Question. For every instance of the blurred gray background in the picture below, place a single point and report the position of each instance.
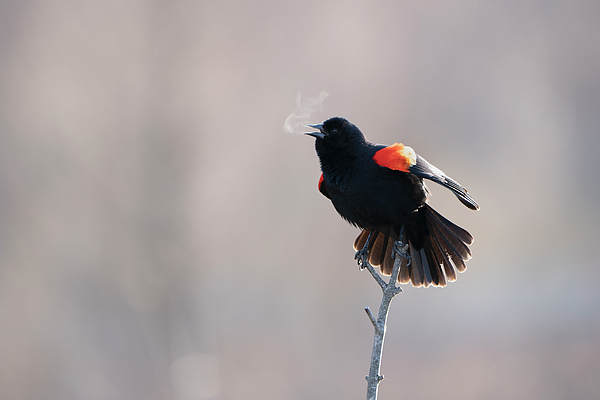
(162, 237)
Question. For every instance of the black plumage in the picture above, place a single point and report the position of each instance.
(380, 189)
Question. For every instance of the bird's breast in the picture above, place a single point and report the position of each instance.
(374, 197)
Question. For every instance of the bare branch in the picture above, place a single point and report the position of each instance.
(390, 290)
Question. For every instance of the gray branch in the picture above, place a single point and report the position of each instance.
(390, 290)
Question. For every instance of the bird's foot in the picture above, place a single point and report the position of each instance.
(362, 254)
(401, 249)
(361, 258)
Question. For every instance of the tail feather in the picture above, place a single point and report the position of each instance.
(427, 268)
(457, 246)
(388, 262)
(456, 260)
(443, 259)
(404, 276)
(435, 264)
(361, 239)
(459, 264)
(376, 248)
(444, 251)
(417, 266)
(456, 230)
(384, 246)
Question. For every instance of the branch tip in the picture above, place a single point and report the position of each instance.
(371, 317)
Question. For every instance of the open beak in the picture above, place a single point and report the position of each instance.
(320, 134)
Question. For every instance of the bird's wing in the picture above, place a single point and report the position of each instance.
(403, 158)
(426, 170)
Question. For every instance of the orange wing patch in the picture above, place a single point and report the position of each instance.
(321, 179)
(396, 156)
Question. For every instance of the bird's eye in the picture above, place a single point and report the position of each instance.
(334, 130)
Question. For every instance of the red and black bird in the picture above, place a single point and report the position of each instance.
(380, 189)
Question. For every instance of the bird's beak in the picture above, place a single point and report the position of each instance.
(320, 134)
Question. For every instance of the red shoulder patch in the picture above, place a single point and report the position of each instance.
(397, 156)
(323, 188)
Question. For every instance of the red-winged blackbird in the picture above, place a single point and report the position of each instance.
(380, 189)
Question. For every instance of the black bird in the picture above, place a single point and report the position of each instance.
(380, 189)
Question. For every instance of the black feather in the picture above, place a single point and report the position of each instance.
(380, 190)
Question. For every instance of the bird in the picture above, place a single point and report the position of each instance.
(380, 189)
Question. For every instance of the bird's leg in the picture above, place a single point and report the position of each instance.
(361, 255)
(401, 248)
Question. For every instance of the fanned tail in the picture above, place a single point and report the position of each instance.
(435, 257)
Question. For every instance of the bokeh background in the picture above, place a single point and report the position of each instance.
(162, 237)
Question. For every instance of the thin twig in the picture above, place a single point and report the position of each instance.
(390, 290)
(371, 317)
(375, 275)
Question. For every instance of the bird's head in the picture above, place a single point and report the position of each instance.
(337, 132)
